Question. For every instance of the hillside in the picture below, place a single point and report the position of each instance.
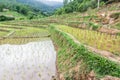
(98, 30)
(30, 8)
(87, 43)
(42, 5)
(19, 11)
(14, 14)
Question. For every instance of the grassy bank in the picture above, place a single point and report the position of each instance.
(71, 54)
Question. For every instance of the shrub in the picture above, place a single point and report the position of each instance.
(5, 18)
(74, 24)
(60, 11)
(68, 9)
(94, 26)
(82, 7)
(93, 4)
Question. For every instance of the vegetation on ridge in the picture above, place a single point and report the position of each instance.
(71, 54)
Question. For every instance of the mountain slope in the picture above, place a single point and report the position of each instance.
(15, 9)
(48, 6)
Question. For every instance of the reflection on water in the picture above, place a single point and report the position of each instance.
(33, 61)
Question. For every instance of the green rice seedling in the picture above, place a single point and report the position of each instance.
(95, 39)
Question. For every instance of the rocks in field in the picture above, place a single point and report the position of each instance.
(91, 76)
(110, 78)
(109, 31)
(54, 78)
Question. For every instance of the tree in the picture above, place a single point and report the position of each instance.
(65, 2)
(60, 11)
(1, 7)
(98, 4)
(68, 9)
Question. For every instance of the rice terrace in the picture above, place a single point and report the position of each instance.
(62, 40)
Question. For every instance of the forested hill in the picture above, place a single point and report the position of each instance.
(31, 9)
(82, 5)
(17, 10)
(46, 6)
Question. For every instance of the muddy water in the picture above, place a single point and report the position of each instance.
(32, 61)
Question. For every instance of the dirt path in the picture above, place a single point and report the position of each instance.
(32, 61)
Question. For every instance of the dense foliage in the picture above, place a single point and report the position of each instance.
(6, 18)
(80, 5)
(26, 10)
(77, 5)
(41, 4)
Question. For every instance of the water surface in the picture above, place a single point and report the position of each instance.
(32, 61)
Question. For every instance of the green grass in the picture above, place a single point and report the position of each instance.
(28, 23)
(117, 25)
(30, 32)
(17, 15)
(24, 31)
(21, 34)
(19, 41)
(2, 34)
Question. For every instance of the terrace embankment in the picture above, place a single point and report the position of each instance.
(21, 34)
(76, 62)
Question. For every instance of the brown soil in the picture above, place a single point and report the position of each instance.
(4, 30)
(110, 78)
(105, 54)
(57, 73)
(13, 27)
(109, 30)
(107, 21)
(76, 68)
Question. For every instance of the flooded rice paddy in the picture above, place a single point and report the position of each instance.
(31, 61)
